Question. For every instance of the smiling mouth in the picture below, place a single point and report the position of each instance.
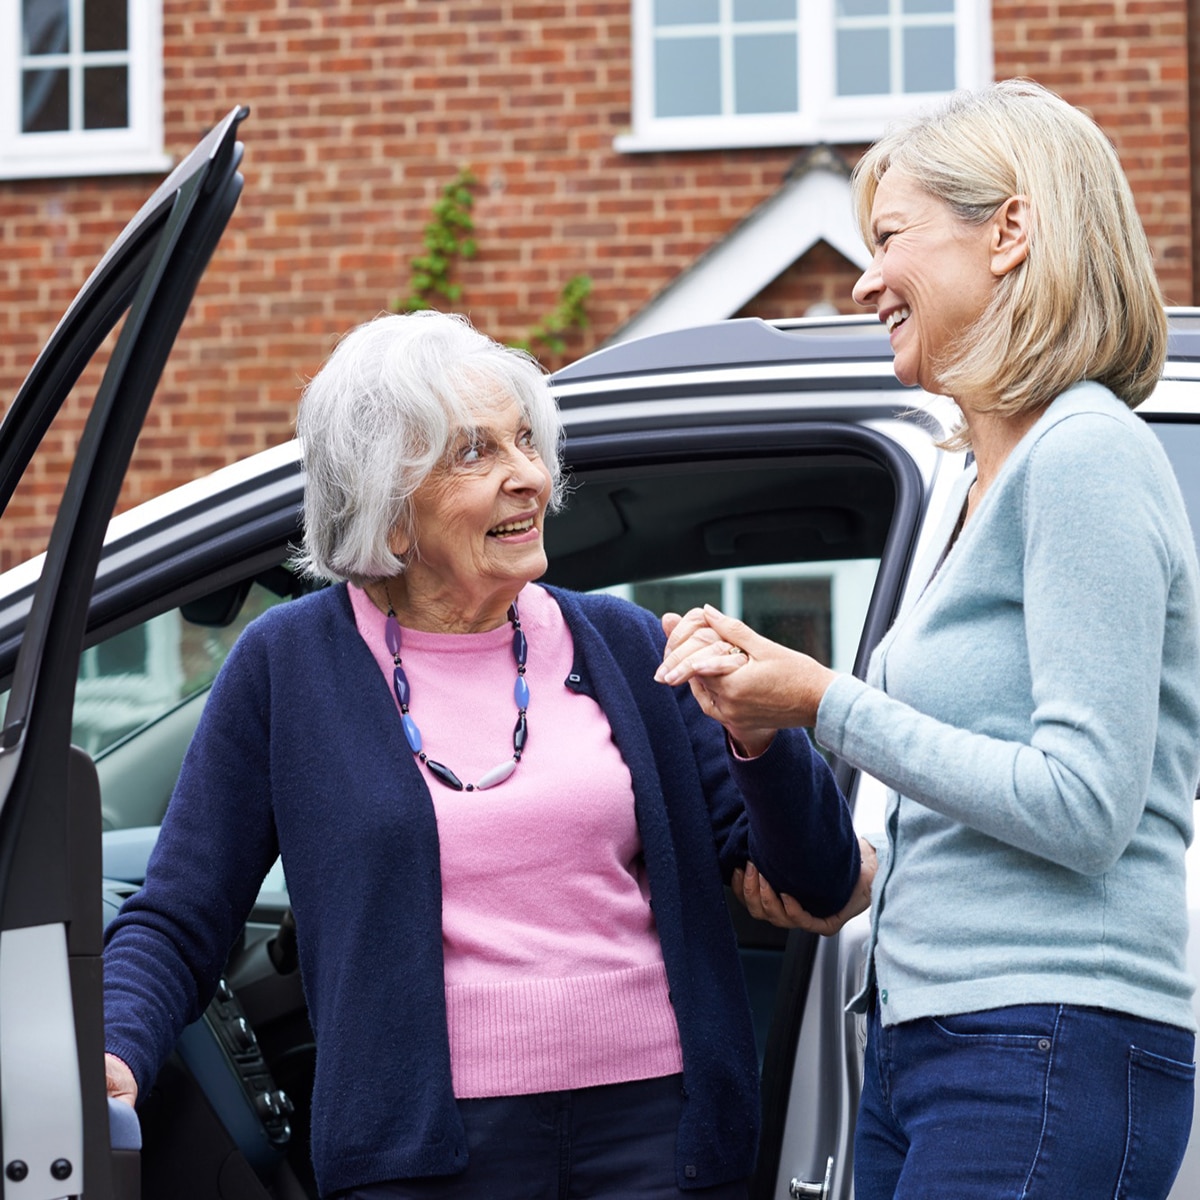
(897, 318)
(511, 527)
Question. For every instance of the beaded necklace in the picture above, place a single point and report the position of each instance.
(441, 772)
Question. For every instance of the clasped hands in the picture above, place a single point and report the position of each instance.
(755, 687)
(752, 685)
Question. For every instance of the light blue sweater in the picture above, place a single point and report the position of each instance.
(1036, 713)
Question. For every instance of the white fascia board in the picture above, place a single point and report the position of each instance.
(813, 207)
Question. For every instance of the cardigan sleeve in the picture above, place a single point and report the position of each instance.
(801, 832)
(166, 948)
(1098, 560)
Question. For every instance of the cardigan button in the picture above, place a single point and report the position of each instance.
(690, 1172)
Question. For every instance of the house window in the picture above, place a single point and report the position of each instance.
(714, 73)
(85, 88)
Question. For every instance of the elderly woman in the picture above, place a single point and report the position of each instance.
(504, 842)
(1036, 706)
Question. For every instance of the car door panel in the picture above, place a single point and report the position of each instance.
(49, 810)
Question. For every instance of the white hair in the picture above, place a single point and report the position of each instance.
(379, 416)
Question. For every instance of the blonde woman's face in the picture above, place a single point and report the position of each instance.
(930, 279)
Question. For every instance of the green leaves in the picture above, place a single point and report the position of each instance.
(449, 236)
(568, 314)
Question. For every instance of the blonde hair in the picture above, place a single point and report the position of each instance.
(1085, 303)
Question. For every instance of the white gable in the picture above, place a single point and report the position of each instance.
(812, 206)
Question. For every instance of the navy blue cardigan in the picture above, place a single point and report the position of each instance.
(299, 752)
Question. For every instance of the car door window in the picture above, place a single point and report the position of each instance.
(137, 677)
(137, 700)
(817, 607)
(791, 544)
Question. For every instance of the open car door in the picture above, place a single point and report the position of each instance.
(54, 1120)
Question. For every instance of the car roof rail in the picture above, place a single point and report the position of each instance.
(740, 341)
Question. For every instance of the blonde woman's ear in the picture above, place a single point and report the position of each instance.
(1010, 235)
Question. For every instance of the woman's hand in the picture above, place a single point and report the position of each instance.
(762, 901)
(752, 685)
(703, 645)
(119, 1078)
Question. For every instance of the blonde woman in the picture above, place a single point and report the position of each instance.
(1035, 709)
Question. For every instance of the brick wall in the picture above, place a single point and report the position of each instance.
(362, 110)
(1126, 62)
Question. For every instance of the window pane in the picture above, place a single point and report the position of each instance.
(928, 6)
(44, 26)
(670, 595)
(45, 101)
(863, 67)
(764, 10)
(140, 675)
(687, 77)
(1182, 444)
(105, 25)
(862, 8)
(794, 612)
(929, 59)
(124, 654)
(686, 12)
(764, 73)
(106, 98)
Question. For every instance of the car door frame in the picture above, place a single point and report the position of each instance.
(54, 1124)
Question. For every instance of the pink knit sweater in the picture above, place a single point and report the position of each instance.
(554, 973)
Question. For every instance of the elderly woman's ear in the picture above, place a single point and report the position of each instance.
(1010, 235)
(399, 542)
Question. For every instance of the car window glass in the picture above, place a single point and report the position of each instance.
(137, 700)
(137, 677)
(1182, 444)
(817, 607)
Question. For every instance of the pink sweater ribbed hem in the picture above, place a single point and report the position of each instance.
(549, 1035)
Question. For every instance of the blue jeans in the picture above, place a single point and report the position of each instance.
(1035, 1102)
(615, 1141)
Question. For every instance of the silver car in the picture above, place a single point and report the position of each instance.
(778, 470)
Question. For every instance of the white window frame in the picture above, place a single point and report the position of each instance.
(137, 149)
(823, 116)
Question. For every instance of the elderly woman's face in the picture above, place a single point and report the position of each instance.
(479, 515)
(930, 278)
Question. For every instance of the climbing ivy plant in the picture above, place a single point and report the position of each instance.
(449, 236)
(567, 314)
